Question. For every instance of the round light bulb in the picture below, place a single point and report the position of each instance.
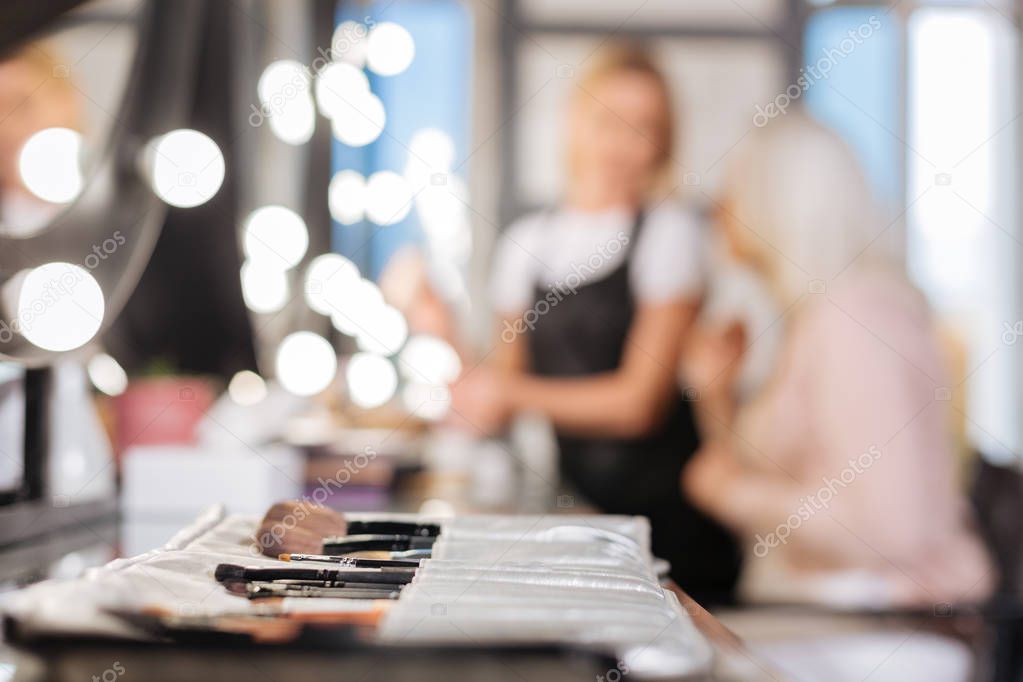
(50, 165)
(107, 375)
(60, 306)
(247, 388)
(357, 306)
(389, 49)
(384, 331)
(295, 121)
(359, 119)
(388, 198)
(348, 43)
(371, 380)
(434, 148)
(264, 288)
(430, 360)
(346, 197)
(306, 363)
(275, 236)
(337, 86)
(282, 80)
(326, 280)
(186, 167)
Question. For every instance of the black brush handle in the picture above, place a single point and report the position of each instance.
(375, 543)
(354, 562)
(319, 574)
(332, 583)
(263, 591)
(424, 530)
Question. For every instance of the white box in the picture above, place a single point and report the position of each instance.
(179, 481)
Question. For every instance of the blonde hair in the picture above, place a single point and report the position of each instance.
(804, 205)
(628, 58)
(46, 62)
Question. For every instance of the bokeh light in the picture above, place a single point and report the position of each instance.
(388, 198)
(371, 380)
(306, 363)
(186, 167)
(247, 388)
(276, 237)
(60, 306)
(346, 197)
(107, 375)
(50, 165)
(390, 49)
(264, 288)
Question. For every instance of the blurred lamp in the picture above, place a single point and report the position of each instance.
(306, 363)
(264, 288)
(371, 380)
(276, 237)
(388, 198)
(60, 306)
(50, 165)
(246, 388)
(107, 375)
(390, 49)
(185, 167)
(346, 197)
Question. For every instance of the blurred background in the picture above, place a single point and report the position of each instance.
(270, 225)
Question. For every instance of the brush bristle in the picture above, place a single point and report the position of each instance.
(297, 527)
(225, 572)
(284, 557)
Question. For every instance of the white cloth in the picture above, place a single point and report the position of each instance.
(552, 247)
(555, 592)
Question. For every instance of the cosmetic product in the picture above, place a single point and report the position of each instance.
(225, 572)
(261, 590)
(354, 562)
(376, 543)
(371, 527)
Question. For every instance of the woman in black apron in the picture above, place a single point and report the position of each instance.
(596, 358)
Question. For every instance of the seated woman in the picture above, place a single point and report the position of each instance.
(839, 473)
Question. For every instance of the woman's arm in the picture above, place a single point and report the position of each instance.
(626, 403)
(871, 442)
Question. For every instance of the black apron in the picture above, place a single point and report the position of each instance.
(584, 334)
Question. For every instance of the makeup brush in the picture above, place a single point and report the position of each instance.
(261, 590)
(381, 527)
(355, 562)
(375, 543)
(241, 587)
(297, 526)
(226, 572)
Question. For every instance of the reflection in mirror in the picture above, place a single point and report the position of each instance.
(40, 140)
(58, 100)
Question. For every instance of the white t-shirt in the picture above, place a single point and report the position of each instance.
(571, 247)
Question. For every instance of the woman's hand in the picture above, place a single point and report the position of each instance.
(479, 401)
(712, 358)
(709, 479)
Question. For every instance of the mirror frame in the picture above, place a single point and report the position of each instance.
(157, 98)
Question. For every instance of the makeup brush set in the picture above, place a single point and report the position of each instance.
(348, 584)
(559, 579)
